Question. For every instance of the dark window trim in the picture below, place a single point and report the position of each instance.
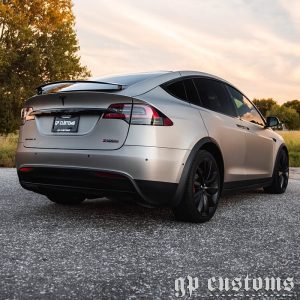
(165, 85)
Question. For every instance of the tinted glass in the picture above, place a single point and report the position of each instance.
(191, 92)
(244, 107)
(177, 90)
(129, 79)
(214, 96)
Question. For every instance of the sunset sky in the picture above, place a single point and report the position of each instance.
(253, 44)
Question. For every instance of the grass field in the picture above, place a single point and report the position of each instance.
(292, 140)
(8, 145)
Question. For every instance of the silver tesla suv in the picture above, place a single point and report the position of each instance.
(176, 139)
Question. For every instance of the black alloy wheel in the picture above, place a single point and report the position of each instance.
(280, 177)
(283, 170)
(202, 192)
(206, 187)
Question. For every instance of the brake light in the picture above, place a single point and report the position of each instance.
(25, 114)
(137, 114)
(143, 114)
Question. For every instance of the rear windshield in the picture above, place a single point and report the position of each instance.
(129, 79)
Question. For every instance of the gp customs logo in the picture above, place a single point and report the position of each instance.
(219, 286)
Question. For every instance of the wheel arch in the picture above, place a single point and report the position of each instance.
(217, 154)
(208, 144)
(277, 186)
(280, 148)
(284, 147)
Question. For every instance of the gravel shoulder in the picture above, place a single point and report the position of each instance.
(295, 173)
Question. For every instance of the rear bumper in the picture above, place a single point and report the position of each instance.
(150, 174)
(88, 183)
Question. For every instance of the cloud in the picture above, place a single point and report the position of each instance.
(248, 44)
(292, 7)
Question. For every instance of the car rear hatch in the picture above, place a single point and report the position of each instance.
(76, 120)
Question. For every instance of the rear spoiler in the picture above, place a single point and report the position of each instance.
(42, 89)
(67, 111)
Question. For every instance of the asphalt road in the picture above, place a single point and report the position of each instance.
(110, 250)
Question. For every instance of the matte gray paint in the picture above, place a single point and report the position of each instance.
(154, 153)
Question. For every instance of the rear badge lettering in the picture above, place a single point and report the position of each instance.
(110, 141)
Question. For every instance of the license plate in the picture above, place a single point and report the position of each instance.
(65, 124)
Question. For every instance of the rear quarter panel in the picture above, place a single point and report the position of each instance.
(188, 127)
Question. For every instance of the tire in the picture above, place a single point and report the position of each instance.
(65, 198)
(280, 176)
(202, 191)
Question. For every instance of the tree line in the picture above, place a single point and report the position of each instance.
(288, 113)
(38, 44)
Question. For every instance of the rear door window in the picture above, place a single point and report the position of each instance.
(214, 96)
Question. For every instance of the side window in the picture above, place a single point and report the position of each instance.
(214, 96)
(184, 90)
(176, 89)
(245, 108)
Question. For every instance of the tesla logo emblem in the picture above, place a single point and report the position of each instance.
(62, 98)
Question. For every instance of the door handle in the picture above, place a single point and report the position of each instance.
(242, 127)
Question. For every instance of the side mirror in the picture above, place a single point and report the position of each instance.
(272, 122)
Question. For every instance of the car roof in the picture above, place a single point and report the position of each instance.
(132, 84)
(157, 78)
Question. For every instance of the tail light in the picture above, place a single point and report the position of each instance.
(119, 111)
(137, 114)
(25, 169)
(25, 114)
